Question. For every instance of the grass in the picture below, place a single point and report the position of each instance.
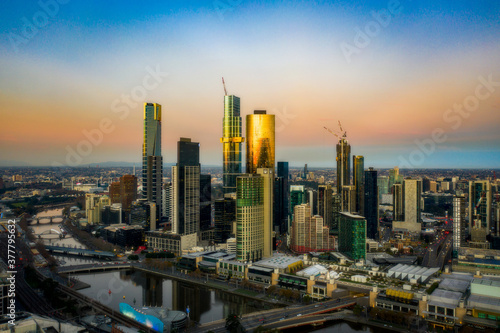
(19, 204)
(247, 292)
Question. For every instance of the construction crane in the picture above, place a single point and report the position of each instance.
(329, 130)
(344, 135)
(224, 84)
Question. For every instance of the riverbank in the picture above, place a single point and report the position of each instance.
(210, 284)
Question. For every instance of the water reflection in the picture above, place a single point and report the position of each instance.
(205, 304)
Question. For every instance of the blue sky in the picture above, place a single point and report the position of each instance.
(286, 57)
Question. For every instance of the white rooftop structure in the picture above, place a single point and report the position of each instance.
(281, 262)
(314, 270)
(409, 272)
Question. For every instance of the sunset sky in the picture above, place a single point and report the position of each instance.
(400, 83)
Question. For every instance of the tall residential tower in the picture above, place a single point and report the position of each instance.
(152, 161)
(231, 143)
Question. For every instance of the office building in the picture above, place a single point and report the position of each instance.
(371, 203)
(297, 197)
(459, 223)
(268, 175)
(480, 205)
(325, 204)
(152, 161)
(352, 235)
(343, 164)
(395, 177)
(224, 217)
(250, 217)
(312, 200)
(231, 143)
(348, 198)
(143, 213)
(398, 202)
(358, 165)
(186, 188)
(205, 202)
(412, 206)
(260, 147)
(282, 199)
(383, 186)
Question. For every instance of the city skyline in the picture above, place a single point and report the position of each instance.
(297, 61)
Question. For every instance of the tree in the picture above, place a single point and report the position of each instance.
(233, 323)
(357, 310)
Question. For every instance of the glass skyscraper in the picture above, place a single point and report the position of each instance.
(343, 164)
(186, 188)
(152, 161)
(260, 141)
(352, 235)
(371, 203)
(358, 165)
(231, 143)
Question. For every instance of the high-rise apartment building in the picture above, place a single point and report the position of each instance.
(348, 198)
(343, 164)
(297, 197)
(309, 234)
(398, 202)
(358, 165)
(411, 199)
(152, 161)
(231, 143)
(352, 235)
(186, 188)
(459, 224)
(260, 148)
(371, 203)
(167, 201)
(249, 217)
(205, 202)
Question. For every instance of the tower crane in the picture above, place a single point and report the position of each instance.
(224, 84)
(344, 133)
(329, 130)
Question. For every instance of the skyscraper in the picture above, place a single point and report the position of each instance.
(282, 197)
(480, 198)
(260, 151)
(152, 161)
(224, 216)
(352, 235)
(411, 200)
(167, 202)
(249, 217)
(186, 188)
(297, 197)
(343, 164)
(231, 143)
(459, 233)
(371, 203)
(205, 202)
(398, 202)
(325, 204)
(358, 165)
(268, 175)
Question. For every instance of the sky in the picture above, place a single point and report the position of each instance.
(414, 83)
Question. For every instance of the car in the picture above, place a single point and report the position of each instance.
(300, 314)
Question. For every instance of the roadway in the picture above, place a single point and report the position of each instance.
(291, 315)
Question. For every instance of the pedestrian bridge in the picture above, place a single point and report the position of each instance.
(79, 252)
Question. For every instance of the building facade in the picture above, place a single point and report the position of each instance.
(371, 203)
(260, 145)
(352, 235)
(231, 143)
(152, 160)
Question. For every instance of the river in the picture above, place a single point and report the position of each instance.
(146, 289)
(54, 240)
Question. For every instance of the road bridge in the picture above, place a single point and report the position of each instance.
(79, 252)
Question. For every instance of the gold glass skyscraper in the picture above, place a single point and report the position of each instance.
(231, 143)
(260, 141)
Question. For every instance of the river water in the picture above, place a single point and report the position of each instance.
(146, 289)
(52, 239)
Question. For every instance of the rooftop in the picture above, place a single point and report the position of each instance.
(278, 262)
